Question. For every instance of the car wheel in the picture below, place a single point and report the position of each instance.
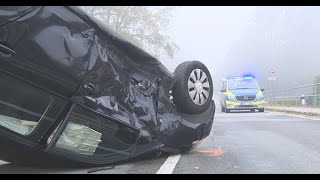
(252, 110)
(261, 110)
(193, 88)
(227, 110)
(223, 109)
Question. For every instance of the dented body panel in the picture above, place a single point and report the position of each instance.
(63, 72)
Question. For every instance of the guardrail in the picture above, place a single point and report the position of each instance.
(293, 96)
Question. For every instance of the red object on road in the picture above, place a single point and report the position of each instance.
(212, 152)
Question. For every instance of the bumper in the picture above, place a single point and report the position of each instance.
(242, 107)
(245, 105)
(190, 131)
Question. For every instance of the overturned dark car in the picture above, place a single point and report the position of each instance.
(73, 92)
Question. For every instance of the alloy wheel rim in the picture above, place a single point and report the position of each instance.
(198, 87)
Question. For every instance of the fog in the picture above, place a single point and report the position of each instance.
(237, 40)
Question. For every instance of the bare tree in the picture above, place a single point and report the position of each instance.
(141, 25)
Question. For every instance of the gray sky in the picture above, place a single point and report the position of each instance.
(233, 40)
(206, 33)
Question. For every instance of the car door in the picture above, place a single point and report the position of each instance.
(48, 46)
(43, 56)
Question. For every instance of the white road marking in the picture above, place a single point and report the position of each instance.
(297, 116)
(3, 162)
(169, 165)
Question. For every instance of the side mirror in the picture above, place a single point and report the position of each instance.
(262, 89)
(223, 90)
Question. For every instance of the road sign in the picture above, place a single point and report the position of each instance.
(272, 72)
(272, 78)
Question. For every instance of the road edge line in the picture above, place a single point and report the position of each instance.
(3, 162)
(169, 165)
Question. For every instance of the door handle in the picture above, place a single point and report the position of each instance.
(90, 88)
(5, 51)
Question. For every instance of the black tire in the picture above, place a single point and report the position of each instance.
(252, 110)
(180, 90)
(227, 110)
(261, 110)
(223, 109)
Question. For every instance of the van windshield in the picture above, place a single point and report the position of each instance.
(243, 84)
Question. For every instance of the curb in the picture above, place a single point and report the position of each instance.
(291, 111)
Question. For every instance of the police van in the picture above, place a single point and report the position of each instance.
(242, 93)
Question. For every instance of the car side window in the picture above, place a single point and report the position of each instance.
(88, 133)
(23, 106)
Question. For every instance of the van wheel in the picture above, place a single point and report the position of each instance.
(227, 110)
(223, 109)
(261, 110)
(193, 88)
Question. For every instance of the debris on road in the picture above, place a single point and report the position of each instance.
(211, 152)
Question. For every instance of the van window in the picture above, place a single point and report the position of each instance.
(243, 84)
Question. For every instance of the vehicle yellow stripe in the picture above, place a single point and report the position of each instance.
(229, 93)
(232, 103)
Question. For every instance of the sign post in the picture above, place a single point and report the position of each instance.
(272, 76)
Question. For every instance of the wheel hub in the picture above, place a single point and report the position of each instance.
(198, 87)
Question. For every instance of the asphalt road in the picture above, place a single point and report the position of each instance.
(239, 143)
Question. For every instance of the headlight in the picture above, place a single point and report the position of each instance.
(260, 97)
(231, 98)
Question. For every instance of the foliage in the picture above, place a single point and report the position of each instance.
(141, 25)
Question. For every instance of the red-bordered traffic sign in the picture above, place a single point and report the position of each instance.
(272, 72)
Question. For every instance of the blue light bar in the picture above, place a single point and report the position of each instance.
(245, 77)
(248, 77)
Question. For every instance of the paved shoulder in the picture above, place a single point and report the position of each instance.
(299, 110)
(256, 143)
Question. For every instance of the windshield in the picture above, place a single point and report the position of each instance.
(243, 84)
